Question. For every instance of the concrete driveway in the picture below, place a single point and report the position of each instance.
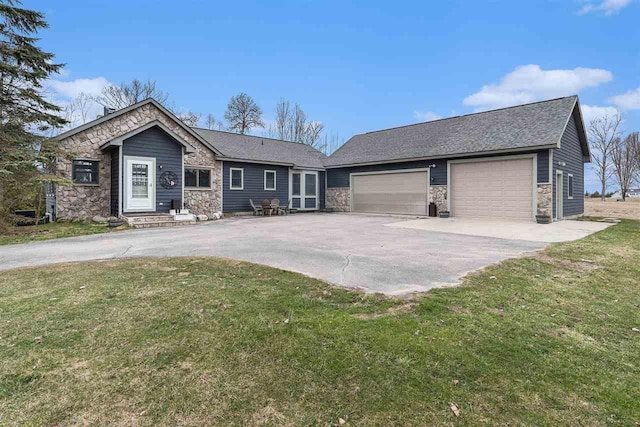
(348, 250)
(562, 231)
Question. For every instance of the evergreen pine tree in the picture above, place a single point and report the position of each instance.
(25, 114)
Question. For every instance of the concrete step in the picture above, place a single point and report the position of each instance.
(148, 218)
(168, 223)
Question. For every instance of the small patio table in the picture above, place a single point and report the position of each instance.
(266, 207)
(275, 206)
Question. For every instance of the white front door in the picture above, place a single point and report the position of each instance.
(304, 190)
(139, 179)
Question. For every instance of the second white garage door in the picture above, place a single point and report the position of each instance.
(402, 193)
(493, 189)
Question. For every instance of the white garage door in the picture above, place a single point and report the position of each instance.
(402, 193)
(493, 189)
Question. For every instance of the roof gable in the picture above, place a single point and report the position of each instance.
(576, 114)
(131, 108)
(188, 148)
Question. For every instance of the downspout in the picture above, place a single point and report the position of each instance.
(221, 185)
(182, 179)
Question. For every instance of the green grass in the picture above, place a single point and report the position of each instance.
(202, 341)
(53, 230)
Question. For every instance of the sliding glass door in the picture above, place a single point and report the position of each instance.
(304, 190)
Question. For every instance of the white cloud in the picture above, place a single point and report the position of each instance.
(65, 93)
(73, 88)
(426, 116)
(629, 100)
(591, 112)
(608, 7)
(63, 73)
(529, 83)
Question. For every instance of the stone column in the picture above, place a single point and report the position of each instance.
(339, 199)
(438, 195)
(545, 200)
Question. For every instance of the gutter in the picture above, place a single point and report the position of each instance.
(446, 156)
(267, 162)
(264, 162)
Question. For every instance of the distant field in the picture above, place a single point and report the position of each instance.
(610, 207)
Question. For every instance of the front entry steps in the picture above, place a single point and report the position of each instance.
(159, 220)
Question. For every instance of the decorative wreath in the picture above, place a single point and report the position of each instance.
(168, 179)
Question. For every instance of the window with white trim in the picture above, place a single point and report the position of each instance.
(570, 186)
(270, 180)
(197, 177)
(236, 178)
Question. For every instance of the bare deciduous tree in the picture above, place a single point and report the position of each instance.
(602, 135)
(78, 111)
(126, 94)
(624, 158)
(298, 124)
(281, 127)
(291, 124)
(243, 114)
(210, 122)
(313, 135)
(331, 143)
(189, 118)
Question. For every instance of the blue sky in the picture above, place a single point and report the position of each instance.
(355, 66)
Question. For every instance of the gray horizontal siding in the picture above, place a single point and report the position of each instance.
(543, 167)
(570, 152)
(168, 154)
(339, 177)
(322, 188)
(238, 200)
(115, 181)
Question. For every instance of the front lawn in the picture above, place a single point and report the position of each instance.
(52, 230)
(547, 340)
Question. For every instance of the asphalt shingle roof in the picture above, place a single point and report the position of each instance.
(259, 149)
(523, 126)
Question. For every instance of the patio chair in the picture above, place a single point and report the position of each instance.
(285, 208)
(275, 206)
(257, 210)
(266, 207)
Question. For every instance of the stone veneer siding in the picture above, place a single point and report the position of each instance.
(82, 201)
(438, 195)
(545, 199)
(206, 202)
(76, 202)
(338, 199)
